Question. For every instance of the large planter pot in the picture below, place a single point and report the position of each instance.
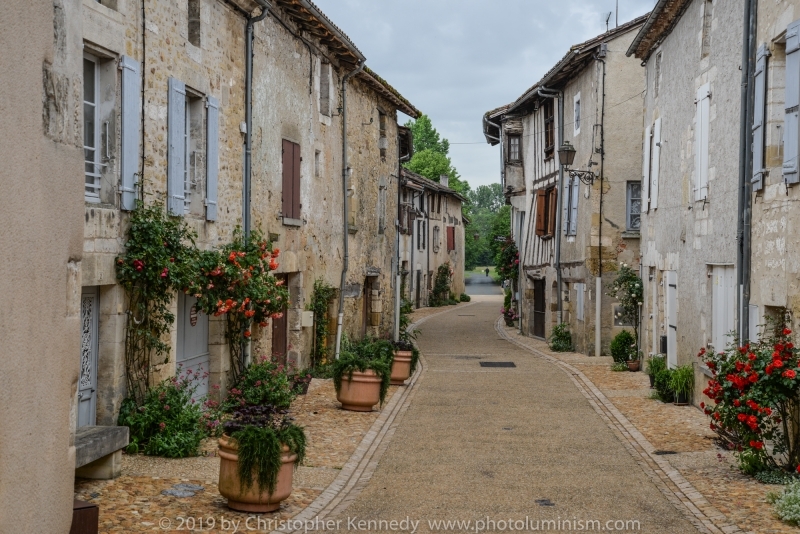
(360, 392)
(633, 365)
(401, 367)
(251, 500)
(681, 399)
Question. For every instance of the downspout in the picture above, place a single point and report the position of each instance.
(345, 210)
(745, 164)
(548, 93)
(598, 310)
(397, 296)
(248, 136)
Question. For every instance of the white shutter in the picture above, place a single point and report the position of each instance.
(646, 170)
(176, 130)
(565, 203)
(130, 130)
(790, 127)
(759, 108)
(573, 208)
(655, 166)
(701, 142)
(212, 157)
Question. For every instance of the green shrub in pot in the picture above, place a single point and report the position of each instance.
(682, 381)
(362, 356)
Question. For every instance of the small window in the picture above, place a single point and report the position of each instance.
(549, 128)
(514, 150)
(194, 22)
(383, 141)
(325, 88)
(706, 44)
(577, 102)
(317, 156)
(571, 193)
(195, 151)
(634, 209)
(657, 76)
(91, 131)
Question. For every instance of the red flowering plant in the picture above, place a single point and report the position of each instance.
(237, 281)
(754, 398)
(507, 260)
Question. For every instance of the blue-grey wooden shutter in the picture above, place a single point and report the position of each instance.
(176, 131)
(565, 203)
(646, 169)
(759, 109)
(573, 206)
(701, 131)
(655, 166)
(130, 130)
(791, 125)
(212, 157)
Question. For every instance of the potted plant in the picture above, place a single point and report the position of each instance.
(404, 363)
(258, 453)
(682, 383)
(362, 374)
(655, 365)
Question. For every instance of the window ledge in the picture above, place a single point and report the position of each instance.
(352, 229)
(631, 234)
(287, 221)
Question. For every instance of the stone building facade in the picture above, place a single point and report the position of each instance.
(432, 233)
(41, 216)
(598, 216)
(690, 145)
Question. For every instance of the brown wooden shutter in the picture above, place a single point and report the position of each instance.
(551, 213)
(451, 238)
(541, 216)
(296, 183)
(288, 175)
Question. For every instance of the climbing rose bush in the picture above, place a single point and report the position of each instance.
(754, 398)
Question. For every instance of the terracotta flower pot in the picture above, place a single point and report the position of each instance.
(633, 365)
(361, 392)
(251, 500)
(401, 367)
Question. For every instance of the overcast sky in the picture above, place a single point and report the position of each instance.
(456, 59)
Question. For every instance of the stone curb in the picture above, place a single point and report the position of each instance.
(680, 492)
(358, 470)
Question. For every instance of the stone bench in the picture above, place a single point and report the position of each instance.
(98, 451)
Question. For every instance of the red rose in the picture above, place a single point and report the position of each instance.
(789, 373)
(751, 357)
(786, 331)
(741, 417)
(737, 403)
(247, 333)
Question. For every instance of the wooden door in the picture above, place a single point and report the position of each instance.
(539, 307)
(192, 351)
(87, 381)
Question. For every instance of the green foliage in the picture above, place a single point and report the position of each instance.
(775, 477)
(682, 380)
(323, 371)
(260, 432)
(618, 367)
(508, 311)
(627, 288)
(440, 294)
(320, 303)
(663, 385)
(655, 365)
(262, 383)
(406, 335)
(623, 347)
(787, 503)
(487, 197)
(507, 260)
(168, 422)
(364, 355)
(751, 462)
(426, 137)
(464, 297)
(561, 339)
(236, 281)
(159, 259)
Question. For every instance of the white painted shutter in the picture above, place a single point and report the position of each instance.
(656, 165)
(573, 201)
(701, 142)
(565, 203)
(759, 108)
(212, 157)
(130, 130)
(646, 170)
(791, 125)
(176, 130)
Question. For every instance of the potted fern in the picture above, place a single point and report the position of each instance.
(362, 373)
(682, 383)
(406, 354)
(258, 453)
(655, 365)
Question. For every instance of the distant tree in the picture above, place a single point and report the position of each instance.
(489, 197)
(426, 137)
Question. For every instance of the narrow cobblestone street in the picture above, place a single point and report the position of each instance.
(504, 443)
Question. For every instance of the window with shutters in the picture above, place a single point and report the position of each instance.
(514, 148)
(382, 205)
(436, 243)
(577, 113)
(193, 13)
(549, 128)
(571, 194)
(383, 141)
(546, 209)
(791, 124)
(759, 116)
(195, 151)
(91, 131)
(701, 133)
(634, 207)
(99, 134)
(451, 238)
(290, 194)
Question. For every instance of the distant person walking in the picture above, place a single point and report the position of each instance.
(487, 271)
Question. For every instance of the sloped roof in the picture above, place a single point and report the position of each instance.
(659, 25)
(429, 184)
(388, 92)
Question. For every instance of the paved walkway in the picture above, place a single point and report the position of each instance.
(480, 284)
(503, 443)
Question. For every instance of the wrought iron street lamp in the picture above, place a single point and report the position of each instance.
(566, 156)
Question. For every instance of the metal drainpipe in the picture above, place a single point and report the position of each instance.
(598, 311)
(345, 210)
(548, 93)
(397, 296)
(745, 164)
(248, 136)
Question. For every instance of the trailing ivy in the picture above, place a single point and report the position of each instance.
(320, 303)
(365, 355)
(159, 259)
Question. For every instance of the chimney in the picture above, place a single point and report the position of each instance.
(443, 179)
